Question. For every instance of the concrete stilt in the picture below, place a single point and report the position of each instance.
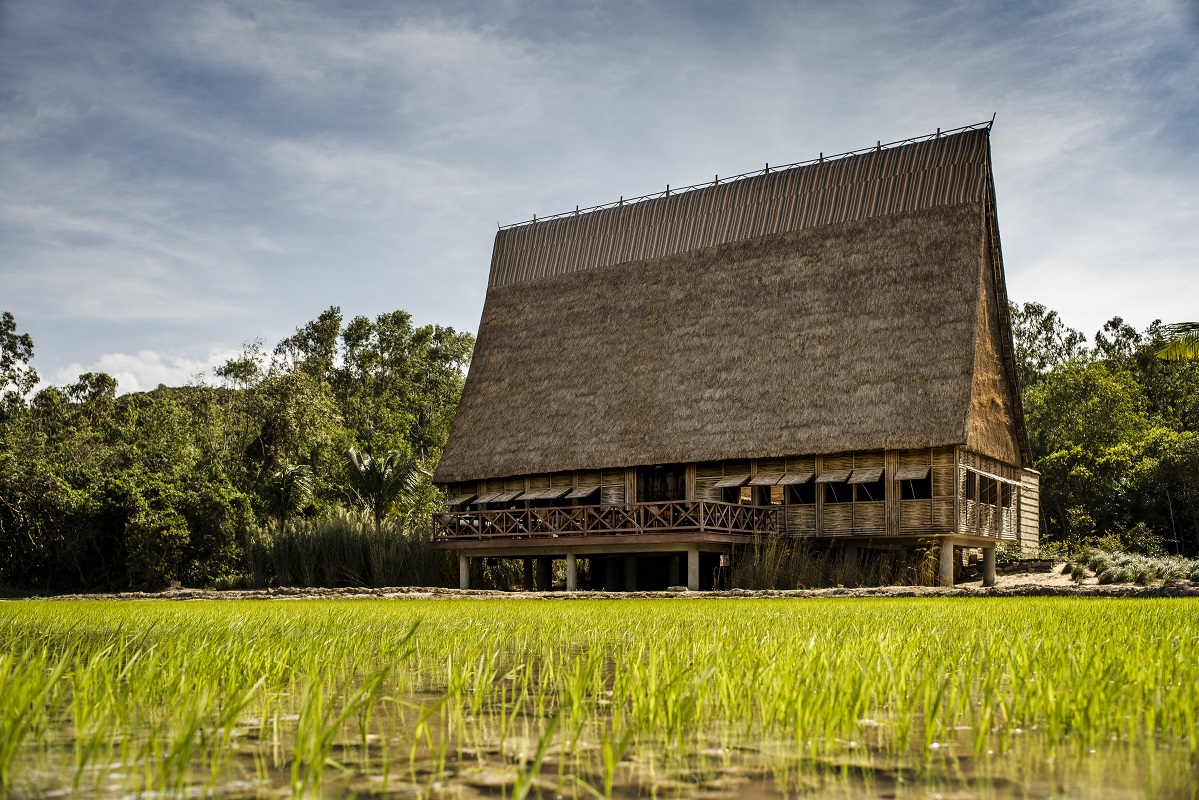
(527, 578)
(545, 573)
(572, 573)
(851, 565)
(463, 571)
(693, 568)
(674, 571)
(989, 566)
(630, 573)
(611, 574)
(947, 553)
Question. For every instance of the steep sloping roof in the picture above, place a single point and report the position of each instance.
(827, 308)
(935, 172)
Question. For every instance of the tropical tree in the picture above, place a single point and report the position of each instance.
(17, 378)
(1182, 342)
(379, 483)
(288, 490)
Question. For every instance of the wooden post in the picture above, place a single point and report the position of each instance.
(572, 576)
(612, 574)
(527, 581)
(893, 492)
(819, 497)
(674, 571)
(947, 562)
(989, 566)
(959, 508)
(851, 564)
(693, 567)
(630, 573)
(463, 571)
(545, 573)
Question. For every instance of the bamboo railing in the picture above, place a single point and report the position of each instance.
(677, 516)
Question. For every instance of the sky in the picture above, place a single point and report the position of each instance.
(177, 179)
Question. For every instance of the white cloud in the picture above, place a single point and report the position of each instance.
(146, 369)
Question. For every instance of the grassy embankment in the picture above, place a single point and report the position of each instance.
(588, 698)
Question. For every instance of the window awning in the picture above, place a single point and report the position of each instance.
(867, 475)
(552, 493)
(731, 481)
(487, 497)
(764, 480)
(834, 476)
(505, 497)
(582, 492)
(459, 499)
(912, 473)
(793, 478)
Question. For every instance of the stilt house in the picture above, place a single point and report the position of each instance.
(820, 350)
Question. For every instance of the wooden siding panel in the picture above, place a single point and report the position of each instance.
(870, 460)
(770, 466)
(915, 515)
(869, 516)
(838, 517)
(612, 486)
(842, 461)
(801, 519)
(943, 514)
(943, 481)
(1029, 503)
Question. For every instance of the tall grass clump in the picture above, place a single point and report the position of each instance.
(345, 550)
(784, 562)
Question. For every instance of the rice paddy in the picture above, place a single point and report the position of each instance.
(992, 697)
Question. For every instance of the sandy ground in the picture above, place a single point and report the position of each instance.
(1032, 584)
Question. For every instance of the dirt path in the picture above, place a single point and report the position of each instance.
(1038, 584)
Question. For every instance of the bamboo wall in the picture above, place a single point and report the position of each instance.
(949, 509)
(979, 518)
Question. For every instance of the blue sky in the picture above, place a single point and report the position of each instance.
(178, 178)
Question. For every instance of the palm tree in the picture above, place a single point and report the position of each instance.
(287, 491)
(1182, 342)
(380, 482)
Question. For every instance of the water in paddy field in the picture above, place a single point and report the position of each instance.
(434, 752)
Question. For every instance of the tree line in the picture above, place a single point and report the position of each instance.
(329, 439)
(100, 491)
(1113, 422)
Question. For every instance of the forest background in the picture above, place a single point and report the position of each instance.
(310, 464)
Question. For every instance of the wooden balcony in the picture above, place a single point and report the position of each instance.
(701, 517)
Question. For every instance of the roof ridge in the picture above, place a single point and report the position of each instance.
(821, 159)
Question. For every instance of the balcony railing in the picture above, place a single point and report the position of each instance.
(678, 516)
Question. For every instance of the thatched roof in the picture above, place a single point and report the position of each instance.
(851, 305)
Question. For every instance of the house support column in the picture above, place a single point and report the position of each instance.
(674, 571)
(947, 552)
(693, 568)
(611, 574)
(544, 573)
(851, 564)
(527, 577)
(989, 566)
(630, 573)
(463, 571)
(572, 573)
